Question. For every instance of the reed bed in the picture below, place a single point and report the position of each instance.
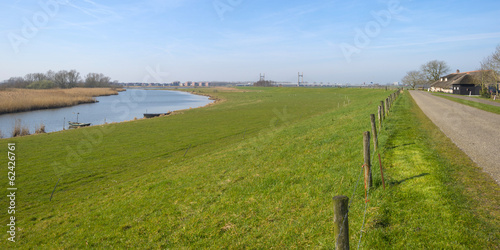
(18, 100)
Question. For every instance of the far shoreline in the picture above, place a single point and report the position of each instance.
(24, 100)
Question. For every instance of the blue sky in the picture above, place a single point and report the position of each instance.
(345, 41)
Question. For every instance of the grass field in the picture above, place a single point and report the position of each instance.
(17, 100)
(257, 170)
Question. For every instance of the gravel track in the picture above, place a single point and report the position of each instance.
(475, 131)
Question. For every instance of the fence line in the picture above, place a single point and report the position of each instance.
(383, 112)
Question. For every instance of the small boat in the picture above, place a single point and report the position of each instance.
(78, 124)
(151, 115)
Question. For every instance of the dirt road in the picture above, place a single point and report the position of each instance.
(474, 131)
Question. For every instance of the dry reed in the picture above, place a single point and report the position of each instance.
(20, 130)
(40, 129)
(17, 100)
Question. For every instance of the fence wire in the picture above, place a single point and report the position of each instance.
(350, 202)
(367, 192)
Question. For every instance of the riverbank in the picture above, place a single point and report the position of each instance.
(19, 100)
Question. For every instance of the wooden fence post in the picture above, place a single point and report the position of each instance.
(386, 106)
(366, 154)
(374, 132)
(341, 221)
(380, 118)
(383, 110)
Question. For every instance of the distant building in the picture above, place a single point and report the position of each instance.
(461, 83)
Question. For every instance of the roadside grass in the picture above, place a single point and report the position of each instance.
(437, 197)
(257, 170)
(478, 105)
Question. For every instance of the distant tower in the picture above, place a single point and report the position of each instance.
(300, 77)
(262, 77)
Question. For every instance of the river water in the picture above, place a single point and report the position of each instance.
(125, 106)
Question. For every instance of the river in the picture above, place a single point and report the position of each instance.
(125, 106)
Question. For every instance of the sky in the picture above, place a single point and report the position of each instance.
(348, 41)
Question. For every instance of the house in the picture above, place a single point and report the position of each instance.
(460, 83)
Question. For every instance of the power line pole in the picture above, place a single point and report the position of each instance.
(299, 77)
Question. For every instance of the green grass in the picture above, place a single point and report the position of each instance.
(482, 106)
(438, 198)
(261, 170)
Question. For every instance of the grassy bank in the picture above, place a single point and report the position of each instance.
(257, 170)
(478, 105)
(17, 100)
(438, 198)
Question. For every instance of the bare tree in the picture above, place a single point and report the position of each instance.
(39, 77)
(490, 71)
(434, 69)
(73, 78)
(414, 78)
(29, 77)
(50, 75)
(93, 80)
(61, 79)
(16, 82)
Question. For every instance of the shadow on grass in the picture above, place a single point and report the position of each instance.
(407, 179)
(402, 145)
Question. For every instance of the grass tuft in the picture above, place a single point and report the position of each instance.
(40, 129)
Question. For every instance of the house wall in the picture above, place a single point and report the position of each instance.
(436, 89)
(466, 89)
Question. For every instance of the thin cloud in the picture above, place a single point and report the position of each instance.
(471, 37)
(95, 10)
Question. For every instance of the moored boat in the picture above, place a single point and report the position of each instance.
(151, 115)
(78, 124)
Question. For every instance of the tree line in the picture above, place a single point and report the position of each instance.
(489, 73)
(62, 79)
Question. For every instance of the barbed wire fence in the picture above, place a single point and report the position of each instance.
(341, 227)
